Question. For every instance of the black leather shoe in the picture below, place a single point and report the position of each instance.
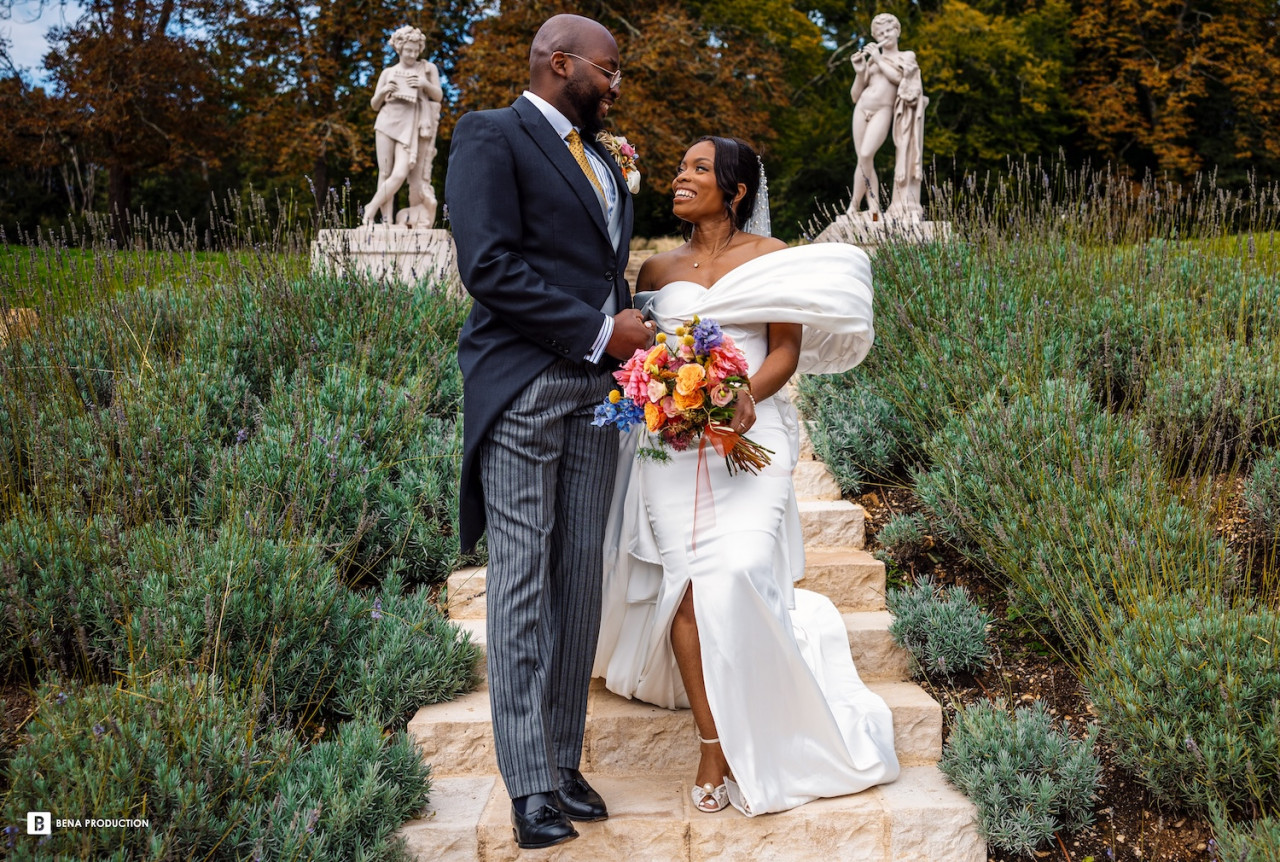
(576, 798)
(536, 821)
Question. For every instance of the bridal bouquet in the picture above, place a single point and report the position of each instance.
(684, 391)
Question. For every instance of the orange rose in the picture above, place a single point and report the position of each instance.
(689, 378)
(653, 417)
(691, 400)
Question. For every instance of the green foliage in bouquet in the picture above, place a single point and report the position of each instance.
(1027, 779)
(943, 629)
(1262, 494)
(402, 654)
(1188, 690)
(1067, 504)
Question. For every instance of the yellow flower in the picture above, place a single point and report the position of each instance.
(661, 338)
(615, 396)
(689, 378)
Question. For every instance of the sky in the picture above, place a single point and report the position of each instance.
(26, 29)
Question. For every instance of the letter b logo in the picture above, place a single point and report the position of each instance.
(39, 823)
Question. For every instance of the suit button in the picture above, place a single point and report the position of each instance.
(610, 275)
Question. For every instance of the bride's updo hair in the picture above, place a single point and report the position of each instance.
(736, 163)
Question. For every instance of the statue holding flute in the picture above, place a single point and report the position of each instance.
(888, 97)
(407, 98)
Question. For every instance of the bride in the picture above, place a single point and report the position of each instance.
(699, 607)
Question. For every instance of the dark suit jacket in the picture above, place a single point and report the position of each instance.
(534, 253)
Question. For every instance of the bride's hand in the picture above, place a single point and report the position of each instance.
(744, 412)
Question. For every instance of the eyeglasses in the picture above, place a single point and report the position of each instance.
(615, 78)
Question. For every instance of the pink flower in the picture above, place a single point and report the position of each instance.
(627, 150)
(657, 390)
(669, 407)
(726, 361)
(633, 378)
(721, 395)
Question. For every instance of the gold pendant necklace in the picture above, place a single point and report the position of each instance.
(714, 255)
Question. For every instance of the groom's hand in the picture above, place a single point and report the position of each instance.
(630, 333)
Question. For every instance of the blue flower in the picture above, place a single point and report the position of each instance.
(622, 415)
(706, 337)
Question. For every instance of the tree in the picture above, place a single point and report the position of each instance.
(689, 69)
(302, 74)
(995, 81)
(1177, 87)
(138, 89)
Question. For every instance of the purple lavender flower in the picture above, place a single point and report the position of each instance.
(242, 435)
(706, 337)
(98, 730)
(377, 609)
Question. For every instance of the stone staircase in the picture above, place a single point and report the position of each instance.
(641, 758)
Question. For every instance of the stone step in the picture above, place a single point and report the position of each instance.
(465, 590)
(832, 523)
(852, 578)
(918, 818)
(849, 576)
(625, 737)
(875, 654)
(813, 481)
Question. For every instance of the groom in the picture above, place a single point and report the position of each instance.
(542, 222)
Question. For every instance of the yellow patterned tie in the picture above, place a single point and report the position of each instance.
(580, 156)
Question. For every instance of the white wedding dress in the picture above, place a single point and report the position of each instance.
(794, 720)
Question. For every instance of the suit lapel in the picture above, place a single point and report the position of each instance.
(557, 152)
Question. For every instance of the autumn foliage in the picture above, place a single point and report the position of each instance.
(164, 104)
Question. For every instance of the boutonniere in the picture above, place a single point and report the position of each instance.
(625, 155)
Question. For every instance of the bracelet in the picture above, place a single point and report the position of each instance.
(747, 392)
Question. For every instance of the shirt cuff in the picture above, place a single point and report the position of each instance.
(597, 348)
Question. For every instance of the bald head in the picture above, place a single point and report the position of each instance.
(572, 34)
(571, 62)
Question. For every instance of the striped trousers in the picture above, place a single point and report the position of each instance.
(547, 475)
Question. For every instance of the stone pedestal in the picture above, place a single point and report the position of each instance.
(868, 232)
(396, 253)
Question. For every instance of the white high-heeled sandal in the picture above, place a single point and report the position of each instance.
(709, 799)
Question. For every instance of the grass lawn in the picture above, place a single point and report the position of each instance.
(59, 279)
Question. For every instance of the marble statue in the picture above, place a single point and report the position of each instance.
(407, 99)
(888, 97)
